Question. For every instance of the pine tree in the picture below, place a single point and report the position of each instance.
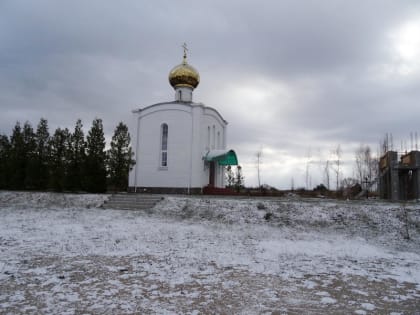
(120, 158)
(4, 161)
(39, 163)
(57, 161)
(30, 157)
(95, 169)
(17, 160)
(76, 158)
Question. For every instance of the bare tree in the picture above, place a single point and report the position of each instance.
(308, 165)
(348, 182)
(363, 158)
(336, 164)
(361, 170)
(374, 168)
(259, 156)
(230, 176)
(239, 179)
(366, 164)
(327, 173)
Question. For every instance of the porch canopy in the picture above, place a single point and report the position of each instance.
(222, 157)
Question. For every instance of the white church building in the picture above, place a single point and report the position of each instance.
(180, 146)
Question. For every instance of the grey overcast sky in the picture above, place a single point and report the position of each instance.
(293, 78)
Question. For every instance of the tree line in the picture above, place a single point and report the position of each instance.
(65, 161)
(330, 169)
(365, 171)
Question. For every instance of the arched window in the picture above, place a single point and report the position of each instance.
(213, 144)
(164, 146)
(218, 140)
(179, 95)
(208, 138)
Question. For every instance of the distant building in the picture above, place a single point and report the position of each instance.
(180, 146)
(399, 179)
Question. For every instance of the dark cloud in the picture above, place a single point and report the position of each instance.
(287, 75)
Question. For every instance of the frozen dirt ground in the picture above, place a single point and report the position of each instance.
(62, 254)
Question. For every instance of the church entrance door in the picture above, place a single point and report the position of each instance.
(211, 174)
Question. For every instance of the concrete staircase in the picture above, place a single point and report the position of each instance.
(127, 201)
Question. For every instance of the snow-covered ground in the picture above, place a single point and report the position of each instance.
(63, 254)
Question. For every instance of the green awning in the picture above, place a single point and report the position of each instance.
(222, 157)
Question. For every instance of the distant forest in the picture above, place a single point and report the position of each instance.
(65, 161)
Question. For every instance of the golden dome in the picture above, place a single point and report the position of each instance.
(184, 75)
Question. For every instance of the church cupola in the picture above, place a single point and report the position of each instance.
(184, 79)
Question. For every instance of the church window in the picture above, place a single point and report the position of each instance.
(179, 95)
(164, 146)
(208, 138)
(214, 138)
(218, 140)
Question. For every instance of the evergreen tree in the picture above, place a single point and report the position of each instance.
(120, 158)
(76, 158)
(95, 169)
(38, 165)
(57, 161)
(30, 157)
(4, 161)
(17, 160)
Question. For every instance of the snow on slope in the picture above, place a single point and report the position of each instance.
(25, 199)
(378, 221)
(60, 254)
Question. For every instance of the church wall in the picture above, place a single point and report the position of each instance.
(188, 142)
(148, 170)
(197, 163)
(215, 141)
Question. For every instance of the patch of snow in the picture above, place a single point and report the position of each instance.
(309, 284)
(193, 248)
(368, 306)
(360, 292)
(328, 300)
(49, 200)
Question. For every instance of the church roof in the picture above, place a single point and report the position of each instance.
(180, 103)
(223, 157)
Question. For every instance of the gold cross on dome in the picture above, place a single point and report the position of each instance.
(185, 50)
